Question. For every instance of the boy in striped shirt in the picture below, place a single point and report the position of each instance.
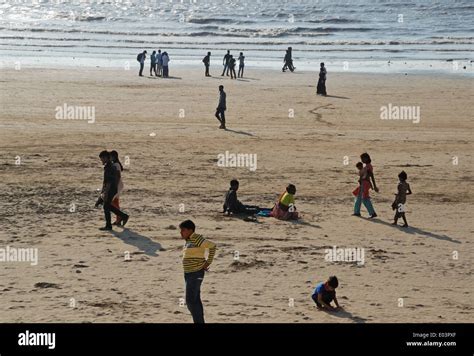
(195, 265)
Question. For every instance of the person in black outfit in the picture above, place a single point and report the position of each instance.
(321, 90)
(109, 190)
(225, 63)
(288, 60)
(207, 63)
(232, 205)
(221, 107)
(232, 64)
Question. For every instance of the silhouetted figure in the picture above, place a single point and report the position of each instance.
(288, 60)
(241, 65)
(165, 59)
(221, 107)
(225, 63)
(141, 59)
(159, 64)
(232, 64)
(321, 89)
(207, 63)
(153, 63)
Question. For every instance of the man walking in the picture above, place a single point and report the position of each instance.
(221, 107)
(225, 63)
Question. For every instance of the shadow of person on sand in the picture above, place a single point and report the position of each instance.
(415, 231)
(304, 223)
(342, 313)
(143, 243)
(240, 132)
(337, 97)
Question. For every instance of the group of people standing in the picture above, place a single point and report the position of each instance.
(159, 63)
(229, 63)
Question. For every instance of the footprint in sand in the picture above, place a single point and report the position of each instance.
(319, 117)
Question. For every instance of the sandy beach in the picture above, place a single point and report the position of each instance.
(264, 271)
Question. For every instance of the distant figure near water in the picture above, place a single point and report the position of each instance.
(232, 62)
(153, 63)
(321, 89)
(207, 63)
(159, 63)
(221, 107)
(225, 63)
(141, 59)
(165, 59)
(241, 65)
(288, 60)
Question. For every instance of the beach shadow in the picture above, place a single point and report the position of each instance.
(242, 80)
(337, 97)
(342, 313)
(143, 243)
(171, 77)
(304, 223)
(415, 231)
(240, 132)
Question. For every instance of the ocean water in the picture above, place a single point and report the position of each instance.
(356, 35)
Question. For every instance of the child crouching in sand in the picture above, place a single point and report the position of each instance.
(284, 208)
(400, 199)
(325, 293)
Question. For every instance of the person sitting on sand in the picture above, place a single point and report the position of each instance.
(285, 208)
(325, 293)
(119, 168)
(363, 196)
(321, 88)
(232, 205)
(398, 205)
(221, 107)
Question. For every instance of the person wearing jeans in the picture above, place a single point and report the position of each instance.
(195, 266)
(367, 203)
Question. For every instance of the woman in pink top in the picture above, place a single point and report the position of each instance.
(362, 198)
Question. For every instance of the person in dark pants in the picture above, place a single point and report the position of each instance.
(141, 59)
(109, 190)
(207, 63)
(232, 64)
(195, 265)
(153, 63)
(232, 205)
(241, 58)
(325, 293)
(288, 60)
(221, 107)
(321, 89)
(225, 63)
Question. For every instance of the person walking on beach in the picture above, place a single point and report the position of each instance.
(225, 63)
(109, 190)
(141, 59)
(221, 107)
(241, 65)
(398, 205)
(232, 64)
(195, 266)
(165, 59)
(366, 179)
(119, 168)
(321, 89)
(207, 63)
(153, 63)
(159, 63)
(288, 60)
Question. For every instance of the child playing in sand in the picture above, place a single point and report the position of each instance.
(195, 265)
(325, 293)
(285, 208)
(400, 199)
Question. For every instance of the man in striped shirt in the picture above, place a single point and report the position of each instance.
(195, 265)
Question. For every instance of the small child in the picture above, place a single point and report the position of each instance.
(400, 199)
(325, 293)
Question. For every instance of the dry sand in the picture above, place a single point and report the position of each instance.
(278, 260)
